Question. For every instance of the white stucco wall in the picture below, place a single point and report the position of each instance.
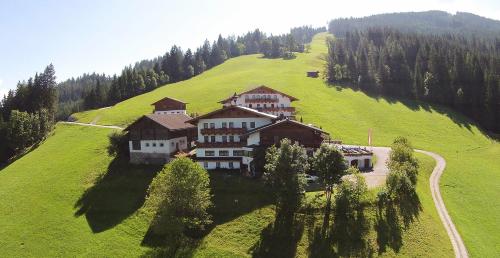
(253, 139)
(361, 160)
(169, 146)
(171, 112)
(200, 152)
(223, 164)
(259, 121)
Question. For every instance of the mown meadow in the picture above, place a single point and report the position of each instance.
(69, 198)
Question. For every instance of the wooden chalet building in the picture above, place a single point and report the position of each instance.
(169, 106)
(154, 138)
(227, 137)
(219, 142)
(263, 99)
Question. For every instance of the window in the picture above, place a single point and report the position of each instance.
(275, 97)
(246, 96)
(205, 164)
(265, 105)
(258, 105)
(224, 124)
(205, 138)
(172, 144)
(205, 125)
(231, 138)
(243, 124)
(250, 105)
(231, 165)
(224, 138)
(272, 105)
(252, 124)
(161, 144)
(136, 145)
(212, 125)
(231, 124)
(209, 153)
(212, 138)
(269, 96)
(154, 144)
(282, 105)
(217, 164)
(223, 153)
(238, 153)
(147, 144)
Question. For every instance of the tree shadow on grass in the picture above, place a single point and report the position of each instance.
(232, 197)
(456, 116)
(389, 229)
(116, 194)
(393, 218)
(346, 237)
(280, 238)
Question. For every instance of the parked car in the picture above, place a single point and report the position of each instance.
(311, 179)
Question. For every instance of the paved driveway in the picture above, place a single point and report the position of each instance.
(377, 176)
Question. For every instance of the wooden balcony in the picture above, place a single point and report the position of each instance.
(272, 100)
(221, 144)
(276, 109)
(223, 131)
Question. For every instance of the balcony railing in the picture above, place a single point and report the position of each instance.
(220, 144)
(227, 130)
(266, 100)
(276, 109)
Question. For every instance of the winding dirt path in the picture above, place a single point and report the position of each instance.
(377, 178)
(456, 240)
(94, 125)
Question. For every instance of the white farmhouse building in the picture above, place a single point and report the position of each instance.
(263, 99)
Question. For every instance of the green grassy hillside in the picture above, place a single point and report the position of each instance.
(80, 202)
(68, 198)
(469, 185)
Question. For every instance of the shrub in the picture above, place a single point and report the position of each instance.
(118, 144)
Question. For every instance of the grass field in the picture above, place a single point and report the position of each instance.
(470, 184)
(68, 198)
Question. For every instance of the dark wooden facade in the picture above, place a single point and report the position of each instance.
(166, 104)
(305, 135)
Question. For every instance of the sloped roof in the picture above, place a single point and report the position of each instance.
(262, 87)
(280, 122)
(245, 109)
(170, 121)
(169, 98)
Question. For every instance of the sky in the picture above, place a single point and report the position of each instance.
(104, 36)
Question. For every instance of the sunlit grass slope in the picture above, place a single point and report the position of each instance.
(470, 184)
(39, 195)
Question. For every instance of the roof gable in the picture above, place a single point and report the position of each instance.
(171, 122)
(169, 99)
(233, 112)
(260, 90)
(285, 122)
